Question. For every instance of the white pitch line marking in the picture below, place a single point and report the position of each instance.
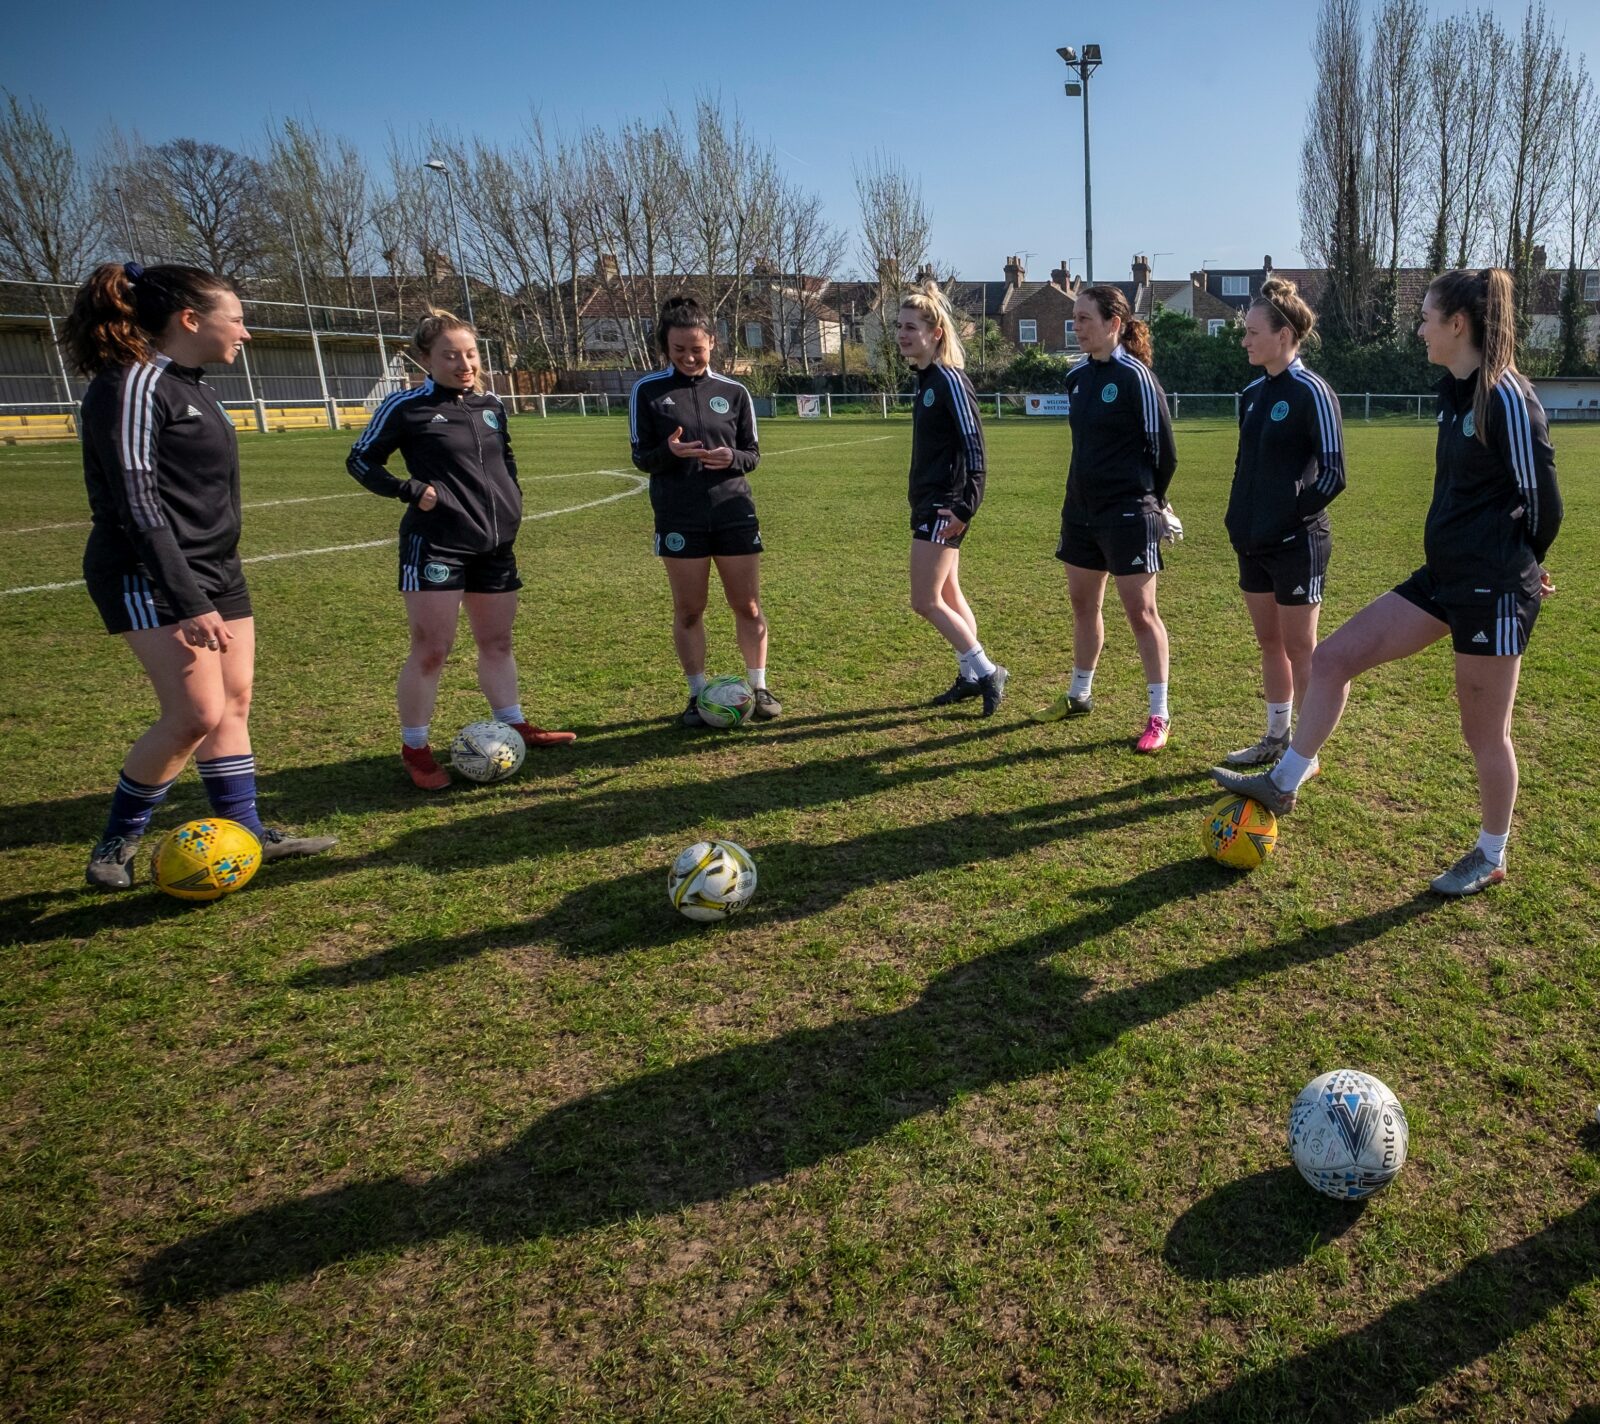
(640, 483)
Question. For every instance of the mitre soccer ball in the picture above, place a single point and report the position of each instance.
(205, 860)
(1239, 832)
(487, 751)
(711, 880)
(1348, 1134)
(725, 702)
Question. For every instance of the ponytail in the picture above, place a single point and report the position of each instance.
(1489, 301)
(123, 307)
(933, 307)
(1112, 305)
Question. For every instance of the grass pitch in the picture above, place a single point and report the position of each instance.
(976, 1113)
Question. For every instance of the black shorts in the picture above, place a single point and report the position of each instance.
(929, 527)
(1496, 627)
(725, 541)
(1132, 547)
(427, 569)
(130, 601)
(1293, 572)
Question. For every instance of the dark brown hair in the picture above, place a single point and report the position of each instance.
(1488, 299)
(123, 307)
(1110, 303)
(1283, 306)
(682, 312)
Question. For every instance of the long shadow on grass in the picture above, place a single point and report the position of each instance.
(701, 1130)
(1384, 1366)
(1248, 1228)
(618, 915)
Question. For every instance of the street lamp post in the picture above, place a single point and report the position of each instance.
(439, 166)
(1083, 66)
(127, 227)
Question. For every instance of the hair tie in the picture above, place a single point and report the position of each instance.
(132, 271)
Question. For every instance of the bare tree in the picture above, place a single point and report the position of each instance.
(895, 232)
(319, 183)
(411, 226)
(1395, 84)
(50, 226)
(1446, 81)
(806, 248)
(1479, 137)
(1535, 79)
(1579, 196)
(191, 201)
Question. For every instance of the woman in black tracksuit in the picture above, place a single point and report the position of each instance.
(161, 463)
(457, 536)
(1495, 513)
(1290, 467)
(949, 466)
(693, 431)
(1115, 516)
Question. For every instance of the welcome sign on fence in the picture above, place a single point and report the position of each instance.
(809, 406)
(1046, 405)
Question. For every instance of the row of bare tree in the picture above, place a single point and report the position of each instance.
(1443, 142)
(545, 220)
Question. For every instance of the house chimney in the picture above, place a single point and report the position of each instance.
(605, 267)
(925, 272)
(1141, 271)
(1014, 272)
(1198, 281)
(1266, 265)
(1539, 260)
(1061, 277)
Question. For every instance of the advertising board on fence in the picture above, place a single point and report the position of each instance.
(1046, 405)
(809, 406)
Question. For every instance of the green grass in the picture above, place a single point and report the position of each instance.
(977, 1113)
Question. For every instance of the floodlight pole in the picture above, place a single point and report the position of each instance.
(439, 166)
(127, 227)
(311, 325)
(1083, 66)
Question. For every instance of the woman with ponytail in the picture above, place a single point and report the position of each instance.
(457, 537)
(161, 463)
(1289, 469)
(693, 432)
(1495, 513)
(948, 469)
(1115, 516)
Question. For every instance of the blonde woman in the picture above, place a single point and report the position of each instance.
(1495, 512)
(457, 536)
(948, 465)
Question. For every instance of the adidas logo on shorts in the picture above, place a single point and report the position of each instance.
(1298, 590)
(439, 420)
(1480, 637)
(1138, 563)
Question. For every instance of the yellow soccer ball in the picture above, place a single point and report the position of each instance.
(205, 860)
(1239, 833)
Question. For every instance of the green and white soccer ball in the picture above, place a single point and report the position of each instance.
(726, 702)
(1348, 1134)
(487, 751)
(711, 880)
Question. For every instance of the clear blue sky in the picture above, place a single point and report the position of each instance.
(1197, 115)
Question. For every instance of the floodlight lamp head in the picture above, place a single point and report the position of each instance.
(1073, 90)
(1091, 53)
(1069, 54)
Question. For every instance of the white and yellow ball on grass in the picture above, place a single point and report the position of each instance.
(487, 751)
(711, 880)
(205, 860)
(1348, 1134)
(1239, 833)
(726, 702)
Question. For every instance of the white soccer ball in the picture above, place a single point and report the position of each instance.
(711, 880)
(487, 751)
(1348, 1134)
(726, 702)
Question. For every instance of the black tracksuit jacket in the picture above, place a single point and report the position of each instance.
(161, 463)
(717, 412)
(948, 461)
(457, 442)
(1495, 510)
(1123, 456)
(1290, 465)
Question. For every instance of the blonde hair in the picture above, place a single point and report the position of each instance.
(1489, 301)
(933, 307)
(1283, 306)
(434, 325)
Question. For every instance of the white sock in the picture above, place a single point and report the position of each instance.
(1290, 773)
(975, 662)
(697, 682)
(509, 715)
(1493, 846)
(756, 677)
(1082, 682)
(1158, 700)
(1279, 715)
(415, 737)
